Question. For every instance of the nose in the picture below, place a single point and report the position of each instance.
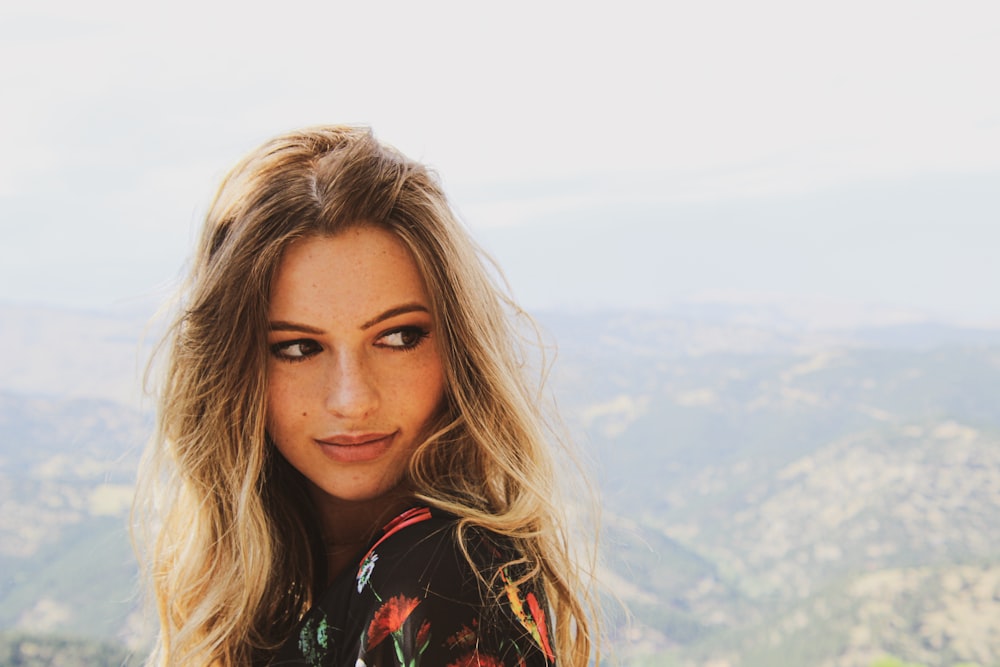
(352, 391)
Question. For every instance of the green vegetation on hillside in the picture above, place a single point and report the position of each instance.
(20, 650)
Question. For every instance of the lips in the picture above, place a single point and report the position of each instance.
(356, 448)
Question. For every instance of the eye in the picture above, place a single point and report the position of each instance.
(403, 338)
(296, 350)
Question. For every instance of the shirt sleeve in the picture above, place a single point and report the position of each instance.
(427, 605)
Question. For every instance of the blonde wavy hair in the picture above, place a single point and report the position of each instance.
(228, 537)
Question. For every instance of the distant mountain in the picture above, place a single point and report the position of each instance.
(18, 650)
(829, 492)
(67, 473)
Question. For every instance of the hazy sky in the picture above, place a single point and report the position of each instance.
(609, 153)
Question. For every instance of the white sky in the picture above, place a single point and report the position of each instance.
(118, 119)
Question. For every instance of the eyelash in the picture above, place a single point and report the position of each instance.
(418, 334)
(279, 350)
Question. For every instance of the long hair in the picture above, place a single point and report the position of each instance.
(229, 537)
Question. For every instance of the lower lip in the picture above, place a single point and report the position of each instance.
(366, 451)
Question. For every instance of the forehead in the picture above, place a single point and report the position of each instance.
(348, 276)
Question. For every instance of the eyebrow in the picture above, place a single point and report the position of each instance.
(393, 312)
(281, 325)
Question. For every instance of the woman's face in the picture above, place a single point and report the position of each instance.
(355, 373)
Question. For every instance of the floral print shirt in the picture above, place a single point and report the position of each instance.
(414, 600)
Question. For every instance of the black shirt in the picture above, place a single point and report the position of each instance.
(414, 599)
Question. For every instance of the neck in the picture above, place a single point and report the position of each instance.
(348, 525)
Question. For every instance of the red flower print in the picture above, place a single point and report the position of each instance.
(390, 618)
(476, 659)
(423, 633)
(533, 623)
(539, 615)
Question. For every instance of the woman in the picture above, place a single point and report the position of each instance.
(350, 467)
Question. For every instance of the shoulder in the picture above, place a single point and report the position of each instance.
(418, 597)
(427, 552)
(445, 596)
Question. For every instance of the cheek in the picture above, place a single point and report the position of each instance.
(428, 392)
(283, 407)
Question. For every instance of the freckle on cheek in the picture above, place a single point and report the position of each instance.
(304, 414)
